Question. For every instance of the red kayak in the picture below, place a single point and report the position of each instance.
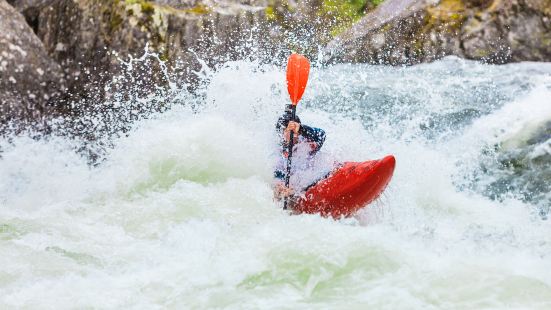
(348, 189)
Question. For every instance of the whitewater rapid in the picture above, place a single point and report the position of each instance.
(178, 213)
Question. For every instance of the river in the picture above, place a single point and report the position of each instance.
(178, 212)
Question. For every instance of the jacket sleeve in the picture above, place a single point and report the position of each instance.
(315, 135)
(279, 175)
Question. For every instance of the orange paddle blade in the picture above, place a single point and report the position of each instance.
(298, 68)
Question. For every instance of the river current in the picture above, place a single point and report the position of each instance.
(178, 212)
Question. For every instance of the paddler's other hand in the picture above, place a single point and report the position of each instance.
(291, 127)
(281, 191)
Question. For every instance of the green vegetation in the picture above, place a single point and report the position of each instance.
(198, 9)
(130, 2)
(334, 15)
(450, 12)
(164, 56)
(147, 8)
(116, 21)
(270, 14)
(344, 13)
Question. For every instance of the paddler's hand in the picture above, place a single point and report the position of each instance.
(281, 191)
(294, 127)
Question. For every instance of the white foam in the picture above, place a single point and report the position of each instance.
(180, 214)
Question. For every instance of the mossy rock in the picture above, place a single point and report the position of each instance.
(448, 11)
(116, 21)
(270, 13)
(342, 13)
(199, 9)
(147, 8)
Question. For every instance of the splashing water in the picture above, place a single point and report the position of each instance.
(180, 213)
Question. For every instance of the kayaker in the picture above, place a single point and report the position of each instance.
(307, 142)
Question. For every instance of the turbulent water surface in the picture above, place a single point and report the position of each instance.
(179, 213)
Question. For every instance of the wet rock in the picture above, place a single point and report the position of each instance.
(30, 81)
(91, 39)
(114, 54)
(414, 31)
(30, 10)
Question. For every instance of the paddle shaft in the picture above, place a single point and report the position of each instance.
(289, 156)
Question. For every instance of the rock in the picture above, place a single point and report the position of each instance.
(522, 29)
(115, 53)
(414, 31)
(95, 42)
(91, 39)
(30, 81)
(30, 9)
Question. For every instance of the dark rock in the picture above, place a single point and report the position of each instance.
(91, 38)
(92, 41)
(30, 81)
(30, 10)
(414, 31)
(116, 53)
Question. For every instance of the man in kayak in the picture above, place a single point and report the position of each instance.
(307, 141)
